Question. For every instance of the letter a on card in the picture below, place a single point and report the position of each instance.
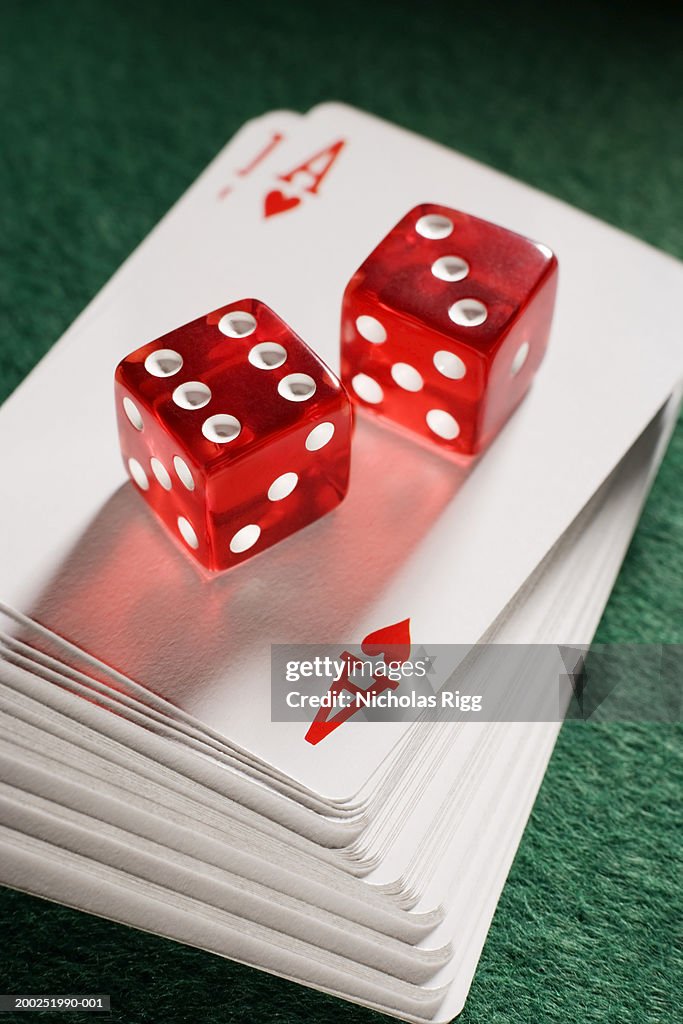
(305, 178)
(393, 644)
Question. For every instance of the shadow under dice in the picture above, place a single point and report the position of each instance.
(445, 324)
(234, 431)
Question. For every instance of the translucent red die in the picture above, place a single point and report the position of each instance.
(445, 324)
(234, 432)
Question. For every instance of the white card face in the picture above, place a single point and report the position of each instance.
(83, 556)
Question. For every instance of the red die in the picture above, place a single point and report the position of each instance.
(445, 325)
(235, 432)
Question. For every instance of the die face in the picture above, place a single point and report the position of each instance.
(517, 360)
(414, 378)
(279, 488)
(432, 316)
(241, 363)
(213, 409)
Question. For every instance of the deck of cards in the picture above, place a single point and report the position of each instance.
(147, 773)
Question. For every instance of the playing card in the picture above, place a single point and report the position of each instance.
(106, 576)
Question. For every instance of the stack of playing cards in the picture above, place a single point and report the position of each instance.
(143, 776)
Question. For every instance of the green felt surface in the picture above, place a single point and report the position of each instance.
(109, 111)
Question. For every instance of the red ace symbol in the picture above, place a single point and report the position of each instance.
(306, 178)
(393, 643)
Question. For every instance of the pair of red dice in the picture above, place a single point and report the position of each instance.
(237, 434)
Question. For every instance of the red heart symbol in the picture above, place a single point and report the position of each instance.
(277, 202)
(392, 641)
